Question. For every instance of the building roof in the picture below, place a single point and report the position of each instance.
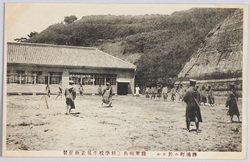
(61, 55)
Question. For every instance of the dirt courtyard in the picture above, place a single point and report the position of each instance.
(132, 124)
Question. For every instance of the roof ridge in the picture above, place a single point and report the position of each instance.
(116, 58)
(52, 45)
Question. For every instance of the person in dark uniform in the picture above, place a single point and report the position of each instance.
(232, 103)
(192, 100)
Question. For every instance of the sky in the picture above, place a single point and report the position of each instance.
(23, 18)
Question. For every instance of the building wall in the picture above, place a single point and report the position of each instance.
(122, 74)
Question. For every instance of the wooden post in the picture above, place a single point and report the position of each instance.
(46, 102)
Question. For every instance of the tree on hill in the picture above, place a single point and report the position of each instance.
(70, 19)
(32, 34)
(22, 39)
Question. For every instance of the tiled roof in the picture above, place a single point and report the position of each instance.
(46, 54)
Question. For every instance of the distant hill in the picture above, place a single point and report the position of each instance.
(160, 45)
(221, 53)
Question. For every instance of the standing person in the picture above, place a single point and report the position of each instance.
(107, 95)
(70, 94)
(159, 89)
(210, 96)
(48, 90)
(192, 99)
(147, 91)
(137, 91)
(81, 90)
(165, 93)
(152, 92)
(203, 95)
(100, 90)
(181, 93)
(173, 93)
(59, 90)
(232, 103)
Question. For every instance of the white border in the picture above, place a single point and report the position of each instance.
(246, 59)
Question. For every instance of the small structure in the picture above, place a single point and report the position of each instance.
(31, 66)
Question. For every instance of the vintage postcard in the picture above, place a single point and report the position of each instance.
(125, 80)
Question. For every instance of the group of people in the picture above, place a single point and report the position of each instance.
(157, 92)
(163, 92)
(207, 95)
(177, 93)
(70, 94)
(192, 99)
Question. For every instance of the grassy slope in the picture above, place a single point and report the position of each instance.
(165, 42)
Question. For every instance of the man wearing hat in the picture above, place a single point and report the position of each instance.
(107, 94)
(192, 99)
(70, 94)
(232, 103)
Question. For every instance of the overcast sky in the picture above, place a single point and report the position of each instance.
(23, 18)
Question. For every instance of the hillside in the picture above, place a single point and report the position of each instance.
(159, 45)
(221, 53)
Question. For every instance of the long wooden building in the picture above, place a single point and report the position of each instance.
(30, 67)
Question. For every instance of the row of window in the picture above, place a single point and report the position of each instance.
(93, 79)
(37, 77)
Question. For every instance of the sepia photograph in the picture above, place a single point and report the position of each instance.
(125, 80)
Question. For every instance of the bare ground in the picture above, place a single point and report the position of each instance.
(132, 124)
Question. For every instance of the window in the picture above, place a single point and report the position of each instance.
(12, 77)
(99, 79)
(111, 78)
(29, 79)
(21, 77)
(38, 77)
(55, 78)
(87, 79)
(76, 78)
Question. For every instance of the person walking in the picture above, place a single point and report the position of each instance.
(192, 99)
(107, 95)
(232, 103)
(81, 90)
(59, 90)
(70, 94)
